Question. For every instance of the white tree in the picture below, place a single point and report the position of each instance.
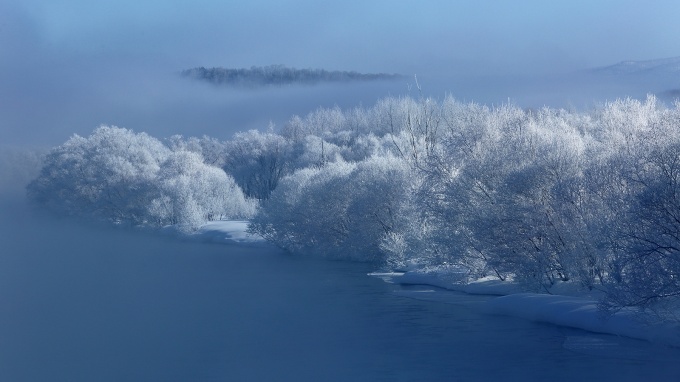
(341, 209)
(124, 177)
(108, 175)
(306, 211)
(191, 193)
(213, 151)
(257, 161)
(645, 269)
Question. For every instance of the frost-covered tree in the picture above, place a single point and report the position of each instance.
(110, 175)
(646, 266)
(339, 210)
(132, 178)
(323, 122)
(649, 269)
(500, 187)
(382, 188)
(213, 151)
(191, 192)
(306, 212)
(258, 161)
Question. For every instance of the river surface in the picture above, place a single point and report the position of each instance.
(84, 303)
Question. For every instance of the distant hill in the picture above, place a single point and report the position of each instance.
(660, 77)
(647, 67)
(278, 75)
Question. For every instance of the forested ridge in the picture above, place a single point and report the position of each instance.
(278, 75)
(537, 196)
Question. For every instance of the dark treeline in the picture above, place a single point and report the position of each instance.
(279, 75)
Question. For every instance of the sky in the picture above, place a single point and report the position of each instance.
(71, 62)
(356, 35)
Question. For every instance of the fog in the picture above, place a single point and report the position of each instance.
(70, 66)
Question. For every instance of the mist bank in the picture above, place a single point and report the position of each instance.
(43, 112)
(47, 106)
(18, 166)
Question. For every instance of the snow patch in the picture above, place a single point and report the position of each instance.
(443, 276)
(455, 278)
(220, 231)
(492, 286)
(227, 231)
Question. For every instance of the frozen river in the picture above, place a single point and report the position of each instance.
(84, 303)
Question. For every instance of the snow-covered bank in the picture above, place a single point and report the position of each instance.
(455, 279)
(221, 231)
(565, 307)
(583, 313)
(228, 231)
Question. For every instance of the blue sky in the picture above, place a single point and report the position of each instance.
(404, 36)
